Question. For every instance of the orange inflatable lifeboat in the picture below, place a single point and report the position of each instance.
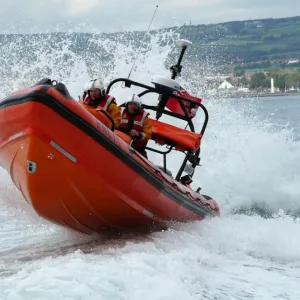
(76, 171)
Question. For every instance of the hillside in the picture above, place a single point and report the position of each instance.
(232, 46)
(252, 42)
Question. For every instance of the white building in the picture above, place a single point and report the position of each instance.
(225, 85)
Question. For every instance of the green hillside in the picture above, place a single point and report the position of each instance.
(254, 42)
(238, 46)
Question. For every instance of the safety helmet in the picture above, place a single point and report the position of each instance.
(86, 86)
(95, 84)
(135, 99)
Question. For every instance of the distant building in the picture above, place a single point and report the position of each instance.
(293, 61)
(244, 90)
(216, 77)
(225, 85)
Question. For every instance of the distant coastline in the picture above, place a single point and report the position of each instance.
(249, 94)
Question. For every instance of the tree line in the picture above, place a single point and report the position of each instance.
(262, 80)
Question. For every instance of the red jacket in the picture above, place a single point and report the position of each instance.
(104, 101)
(108, 104)
(141, 123)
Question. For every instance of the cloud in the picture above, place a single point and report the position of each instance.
(78, 7)
(116, 15)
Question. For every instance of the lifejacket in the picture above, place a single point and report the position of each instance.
(135, 122)
(138, 120)
(104, 101)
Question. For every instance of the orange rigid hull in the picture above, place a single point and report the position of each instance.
(76, 172)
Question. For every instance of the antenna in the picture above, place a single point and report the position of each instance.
(176, 69)
(142, 42)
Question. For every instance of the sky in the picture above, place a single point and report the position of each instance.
(123, 15)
